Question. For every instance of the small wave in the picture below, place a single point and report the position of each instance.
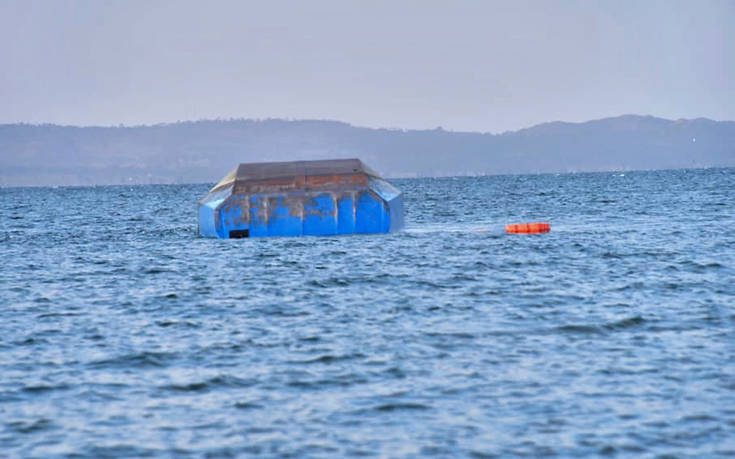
(328, 358)
(608, 450)
(582, 329)
(247, 406)
(482, 455)
(177, 323)
(453, 335)
(331, 282)
(42, 388)
(394, 372)
(428, 284)
(137, 360)
(25, 427)
(463, 277)
(191, 387)
(701, 267)
(310, 339)
(163, 233)
(324, 383)
(623, 324)
(212, 383)
(401, 407)
(635, 286)
(699, 418)
(30, 341)
(58, 314)
(626, 323)
(50, 331)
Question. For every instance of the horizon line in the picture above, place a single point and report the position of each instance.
(326, 120)
(421, 177)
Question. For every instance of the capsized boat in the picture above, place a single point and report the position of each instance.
(300, 198)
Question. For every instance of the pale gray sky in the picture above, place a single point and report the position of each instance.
(464, 65)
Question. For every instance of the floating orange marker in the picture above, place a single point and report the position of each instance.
(528, 228)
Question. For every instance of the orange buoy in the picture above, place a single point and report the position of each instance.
(528, 228)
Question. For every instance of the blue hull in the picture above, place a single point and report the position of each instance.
(370, 205)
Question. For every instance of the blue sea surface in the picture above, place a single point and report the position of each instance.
(124, 333)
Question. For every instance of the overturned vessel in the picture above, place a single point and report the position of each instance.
(299, 198)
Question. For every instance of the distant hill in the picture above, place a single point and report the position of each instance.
(203, 151)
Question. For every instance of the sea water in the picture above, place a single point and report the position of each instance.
(124, 333)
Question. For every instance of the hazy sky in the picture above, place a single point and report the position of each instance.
(464, 65)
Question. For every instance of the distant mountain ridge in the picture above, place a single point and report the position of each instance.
(203, 151)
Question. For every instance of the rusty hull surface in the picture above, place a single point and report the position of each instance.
(301, 198)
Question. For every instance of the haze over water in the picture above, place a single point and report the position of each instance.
(126, 334)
